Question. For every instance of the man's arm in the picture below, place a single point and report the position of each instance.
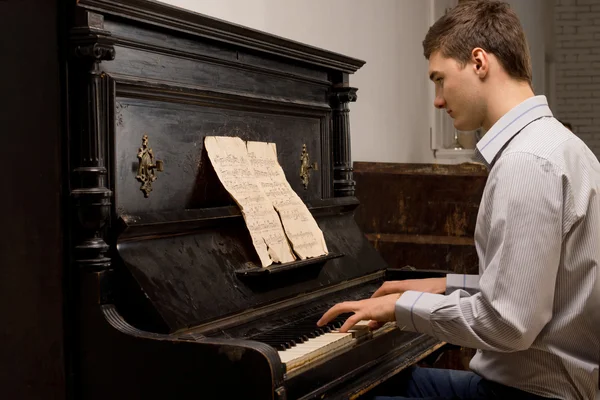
(524, 210)
(447, 285)
(468, 283)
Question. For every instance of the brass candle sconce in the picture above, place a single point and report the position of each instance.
(147, 168)
(305, 167)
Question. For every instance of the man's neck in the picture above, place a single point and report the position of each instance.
(504, 98)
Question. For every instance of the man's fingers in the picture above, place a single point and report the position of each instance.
(379, 292)
(374, 325)
(334, 311)
(390, 287)
(383, 289)
(350, 322)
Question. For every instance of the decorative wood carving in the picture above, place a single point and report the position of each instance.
(92, 199)
(343, 183)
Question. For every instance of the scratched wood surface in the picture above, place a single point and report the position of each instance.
(422, 215)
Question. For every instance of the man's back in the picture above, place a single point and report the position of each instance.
(561, 200)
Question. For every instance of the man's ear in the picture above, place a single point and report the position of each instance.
(480, 61)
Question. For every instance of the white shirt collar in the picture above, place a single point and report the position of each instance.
(510, 124)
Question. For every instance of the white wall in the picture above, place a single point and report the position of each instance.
(389, 121)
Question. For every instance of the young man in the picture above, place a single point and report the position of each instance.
(532, 312)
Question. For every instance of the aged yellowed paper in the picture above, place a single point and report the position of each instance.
(229, 158)
(300, 227)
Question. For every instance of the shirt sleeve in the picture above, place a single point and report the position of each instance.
(522, 238)
(468, 283)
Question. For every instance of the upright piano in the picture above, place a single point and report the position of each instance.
(166, 296)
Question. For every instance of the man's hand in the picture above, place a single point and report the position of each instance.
(429, 285)
(379, 310)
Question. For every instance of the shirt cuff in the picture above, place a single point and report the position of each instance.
(468, 283)
(413, 311)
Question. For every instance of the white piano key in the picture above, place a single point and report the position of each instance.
(321, 345)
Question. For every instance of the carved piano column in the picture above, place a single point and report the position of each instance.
(89, 137)
(343, 183)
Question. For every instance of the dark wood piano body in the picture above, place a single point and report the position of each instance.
(165, 298)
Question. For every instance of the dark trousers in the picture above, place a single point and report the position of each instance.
(444, 384)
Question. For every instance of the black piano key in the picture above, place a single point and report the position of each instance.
(272, 338)
(271, 342)
(287, 341)
(277, 345)
(281, 337)
(300, 331)
(298, 338)
(288, 330)
(341, 318)
(297, 332)
(298, 328)
(275, 334)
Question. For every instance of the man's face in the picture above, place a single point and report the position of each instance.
(457, 90)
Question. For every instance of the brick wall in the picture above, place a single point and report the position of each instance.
(577, 63)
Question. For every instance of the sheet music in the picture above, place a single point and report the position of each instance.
(300, 226)
(229, 158)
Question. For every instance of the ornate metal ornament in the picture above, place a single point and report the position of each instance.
(147, 168)
(305, 167)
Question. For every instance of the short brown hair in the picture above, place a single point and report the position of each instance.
(491, 25)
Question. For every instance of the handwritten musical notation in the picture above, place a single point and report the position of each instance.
(300, 227)
(229, 158)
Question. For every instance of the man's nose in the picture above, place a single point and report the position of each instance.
(439, 102)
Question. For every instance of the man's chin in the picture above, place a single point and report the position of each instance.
(464, 127)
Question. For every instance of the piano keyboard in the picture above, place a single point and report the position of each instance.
(302, 341)
(313, 348)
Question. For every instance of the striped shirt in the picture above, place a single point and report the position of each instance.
(533, 310)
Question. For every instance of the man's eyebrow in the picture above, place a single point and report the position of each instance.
(433, 74)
